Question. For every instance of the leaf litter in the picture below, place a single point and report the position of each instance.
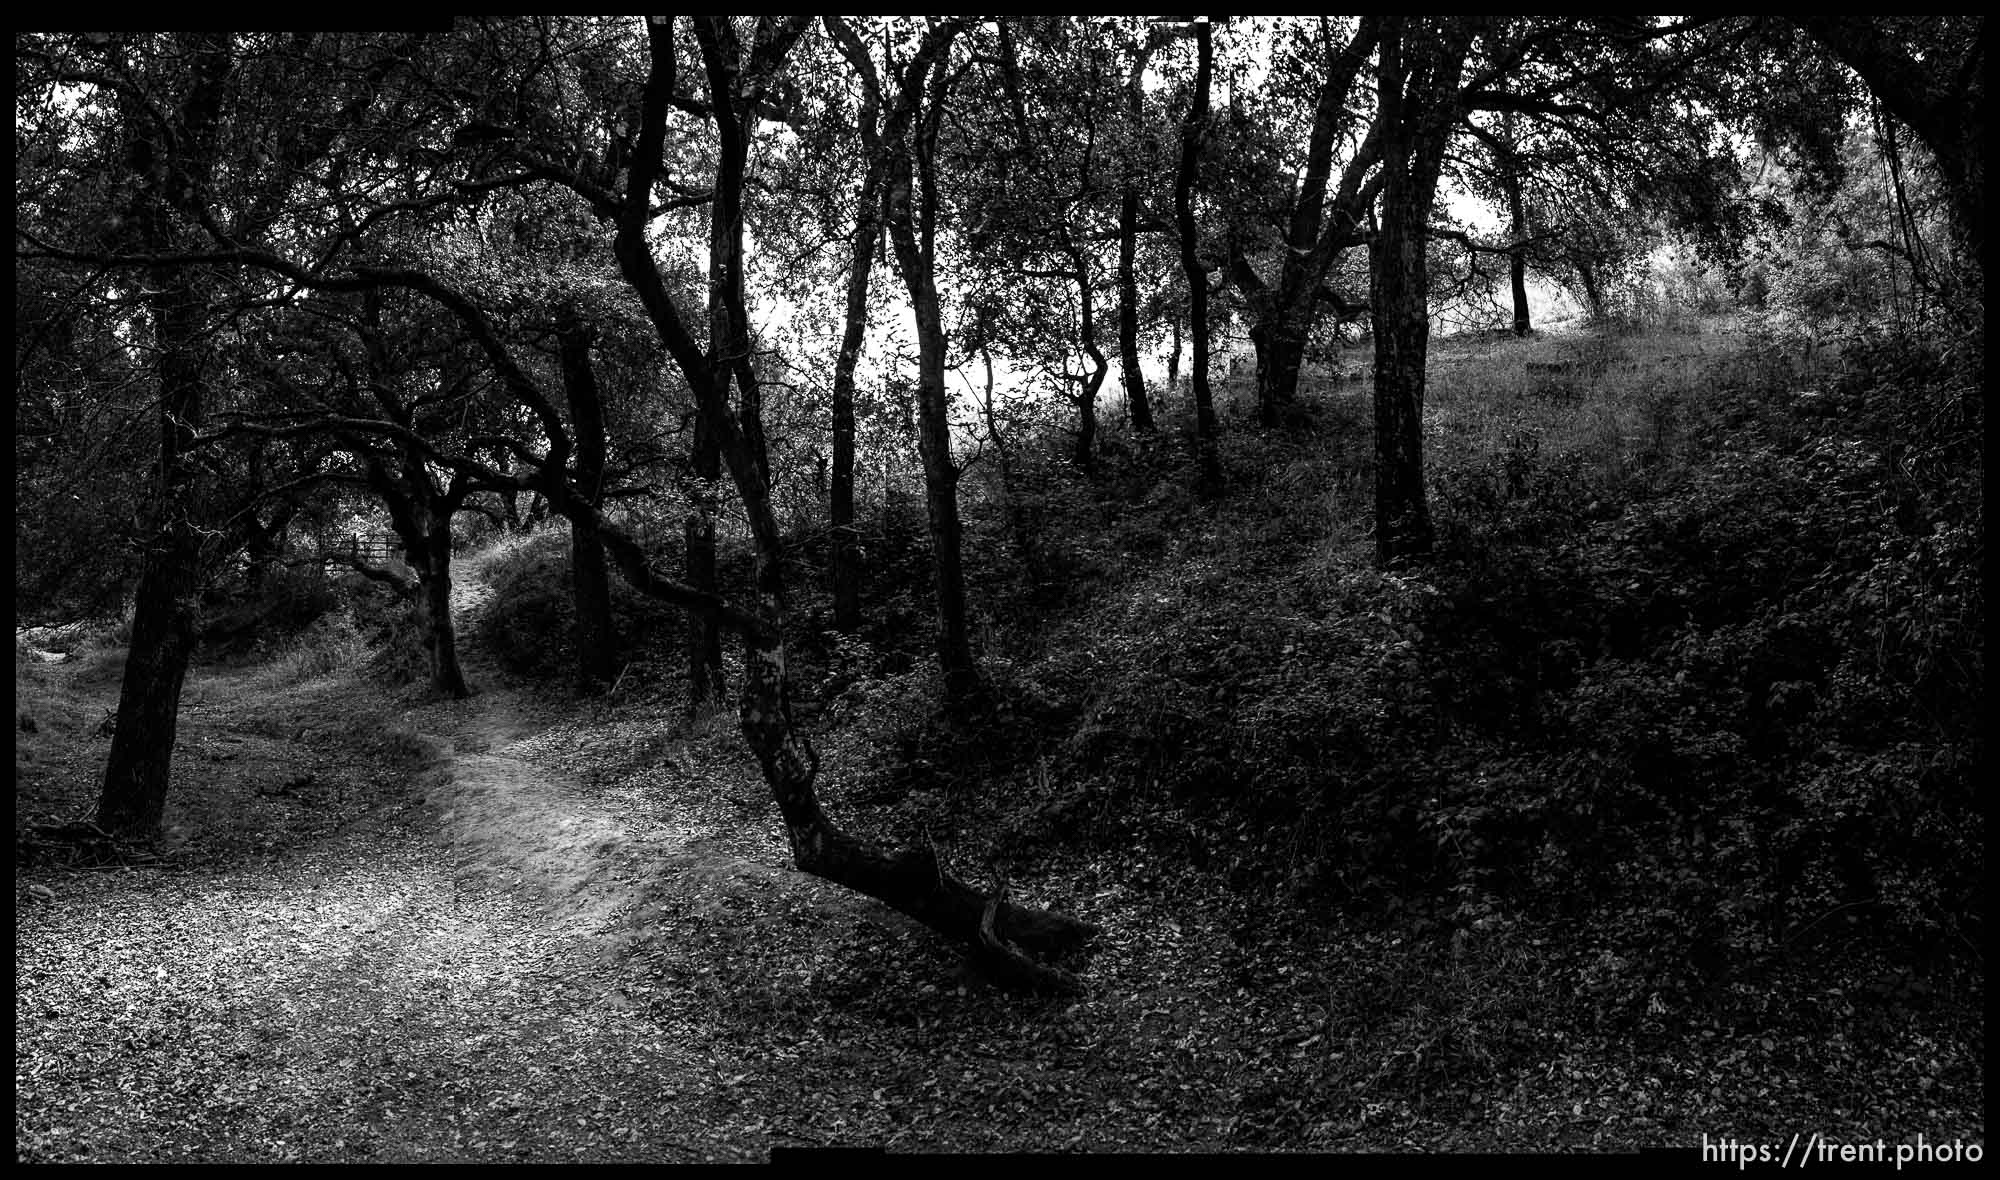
(508, 929)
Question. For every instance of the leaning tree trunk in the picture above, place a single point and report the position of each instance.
(998, 933)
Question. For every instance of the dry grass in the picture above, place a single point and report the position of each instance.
(99, 657)
(330, 646)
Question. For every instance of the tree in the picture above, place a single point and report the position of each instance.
(1193, 126)
(1930, 71)
(1588, 133)
(1036, 154)
(82, 443)
(913, 201)
(1421, 62)
(596, 639)
(862, 240)
(171, 150)
(1135, 164)
(1317, 227)
(911, 881)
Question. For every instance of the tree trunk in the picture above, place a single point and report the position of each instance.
(704, 634)
(1942, 100)
(1281, 351)
(1284, 311)
(1593, 292)
(434, 611)
(421, 516)
(264, 545)
(596, 640)
(1136, 402)
(1402, 329)
(1086, 425)
(861, 264)
(915, 259)
(911, 881)
(1192, 129)
(1517, 213)
(590, 587)
(1418, 90)
(164, 622)
(1517, 275)
(139, 769)
(1137, 405)
(846, 557)
(1085, 455)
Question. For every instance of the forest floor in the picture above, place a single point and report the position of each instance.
(390, 928)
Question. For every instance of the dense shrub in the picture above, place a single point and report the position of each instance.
(530, 619)
(240, 620)
(332, 643)
(1711, 713)
(1763, 704)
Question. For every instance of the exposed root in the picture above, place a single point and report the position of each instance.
(1006, 964)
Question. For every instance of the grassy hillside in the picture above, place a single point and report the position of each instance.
(1687, 699)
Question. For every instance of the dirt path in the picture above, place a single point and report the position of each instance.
(441, 980)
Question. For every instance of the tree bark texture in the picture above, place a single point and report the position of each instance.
(447, 674)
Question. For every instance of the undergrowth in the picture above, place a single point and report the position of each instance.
(1693, 676)
(1677, 727)
(530, 621)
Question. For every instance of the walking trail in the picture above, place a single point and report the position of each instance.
(467, 970)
